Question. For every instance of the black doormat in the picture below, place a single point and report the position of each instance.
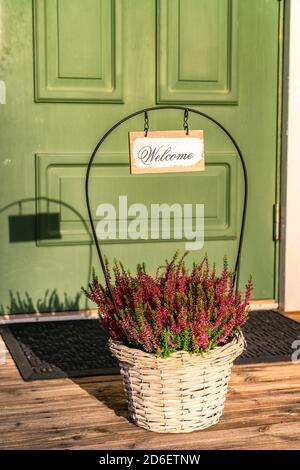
(48, 350)
(269, 336)
(57, 349)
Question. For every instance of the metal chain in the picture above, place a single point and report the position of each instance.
(146, 123)
(185, 121)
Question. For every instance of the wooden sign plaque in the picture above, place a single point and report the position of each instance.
(166, 152)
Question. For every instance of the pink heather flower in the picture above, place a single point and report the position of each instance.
(173, 310)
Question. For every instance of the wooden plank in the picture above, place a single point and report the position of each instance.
(262, 411)
(277, 436)
(293, 315)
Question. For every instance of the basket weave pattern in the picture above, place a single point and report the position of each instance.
(182, 393)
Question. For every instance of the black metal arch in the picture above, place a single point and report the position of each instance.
(159, 108)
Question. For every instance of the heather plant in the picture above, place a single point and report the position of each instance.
(176, 310)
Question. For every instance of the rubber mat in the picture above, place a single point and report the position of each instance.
(54, 349)
(75, 348)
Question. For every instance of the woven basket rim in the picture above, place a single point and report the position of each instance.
(237, 340)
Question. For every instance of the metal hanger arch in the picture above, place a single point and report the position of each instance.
(145, 111)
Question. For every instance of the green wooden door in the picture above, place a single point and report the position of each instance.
(72, 68)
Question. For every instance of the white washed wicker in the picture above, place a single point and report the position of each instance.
(182, 393)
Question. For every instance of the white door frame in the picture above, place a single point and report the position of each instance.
(289, 250)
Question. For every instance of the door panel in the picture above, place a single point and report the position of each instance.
(62, 178)
(198, 51)
(72, 69)
(78, 51)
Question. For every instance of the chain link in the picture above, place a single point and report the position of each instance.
(146, 123)
(185, 121)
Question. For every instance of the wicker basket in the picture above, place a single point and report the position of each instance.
(182, 393)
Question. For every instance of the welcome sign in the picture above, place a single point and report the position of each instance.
(166, 152)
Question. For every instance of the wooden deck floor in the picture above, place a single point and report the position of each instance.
(262, 412)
